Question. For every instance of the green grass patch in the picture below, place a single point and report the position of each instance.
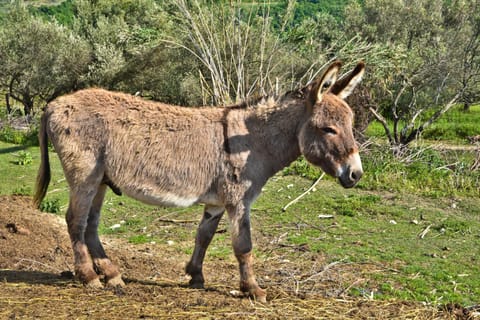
(382, 228)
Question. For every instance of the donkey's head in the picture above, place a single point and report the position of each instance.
(326, 136)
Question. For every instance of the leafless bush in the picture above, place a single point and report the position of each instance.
(242, 55)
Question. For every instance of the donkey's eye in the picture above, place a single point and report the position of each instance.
(329, 130)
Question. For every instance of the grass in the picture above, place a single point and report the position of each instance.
(383, 228)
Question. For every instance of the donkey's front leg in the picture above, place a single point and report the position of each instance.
(242, 246)
(206, 231)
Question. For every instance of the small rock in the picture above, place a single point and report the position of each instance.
(170, 242)
(115, 226)
(235, 293)
(414, 221)
(13, 228)
(325, 216)
(393, 222)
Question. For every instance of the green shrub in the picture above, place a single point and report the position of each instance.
(51, 206)
(21, 137)
(24, 158)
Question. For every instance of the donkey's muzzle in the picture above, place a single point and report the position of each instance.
(351, 171)
(350, 178)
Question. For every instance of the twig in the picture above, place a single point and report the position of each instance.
(32, 262)
(345, 290)
(424, 232)
(303, 194)
(324, 269)
(176, 221)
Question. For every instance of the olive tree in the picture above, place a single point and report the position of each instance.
(118, 34)
(39, 59)
(423, 79)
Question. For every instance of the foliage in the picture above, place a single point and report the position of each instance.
(24, 158)
(115, 31)
(62, 12)
(26, 138)
(38, 63)
(429, 54)
(233, 64)
(52, 206)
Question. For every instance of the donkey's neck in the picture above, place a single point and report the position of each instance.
(274, 129)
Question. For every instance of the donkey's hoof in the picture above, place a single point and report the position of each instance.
(256, 293)
(94, 284)
(196, 285)
(115, 282)
(197, 281)
(259, 295)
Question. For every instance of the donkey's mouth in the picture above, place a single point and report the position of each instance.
(349, 178)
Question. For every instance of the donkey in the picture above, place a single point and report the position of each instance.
(175, 156)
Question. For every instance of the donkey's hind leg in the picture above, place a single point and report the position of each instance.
(100, 260)
(77, 216)
(206, 230)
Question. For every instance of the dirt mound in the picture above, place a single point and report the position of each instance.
(31, 240)
(36, 282)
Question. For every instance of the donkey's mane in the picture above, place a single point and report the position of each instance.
(256, 101)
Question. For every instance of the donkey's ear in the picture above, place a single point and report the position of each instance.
(345, 85)
(324, 83)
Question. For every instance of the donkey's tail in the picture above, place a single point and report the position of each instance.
(43, 176)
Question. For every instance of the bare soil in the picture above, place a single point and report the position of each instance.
(36, 281)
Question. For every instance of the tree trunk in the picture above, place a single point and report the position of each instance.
(28, 107)
(466, 106)
(7, 103)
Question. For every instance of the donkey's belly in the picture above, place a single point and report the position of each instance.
(167, 199)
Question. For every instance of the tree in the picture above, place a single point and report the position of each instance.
(423, 78)
(117, 32)
(462, 22)
(38, 62)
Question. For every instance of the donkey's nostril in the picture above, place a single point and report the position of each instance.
(355, 175)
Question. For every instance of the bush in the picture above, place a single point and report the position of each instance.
(21, 137)
(51, 206)
(24, 158)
